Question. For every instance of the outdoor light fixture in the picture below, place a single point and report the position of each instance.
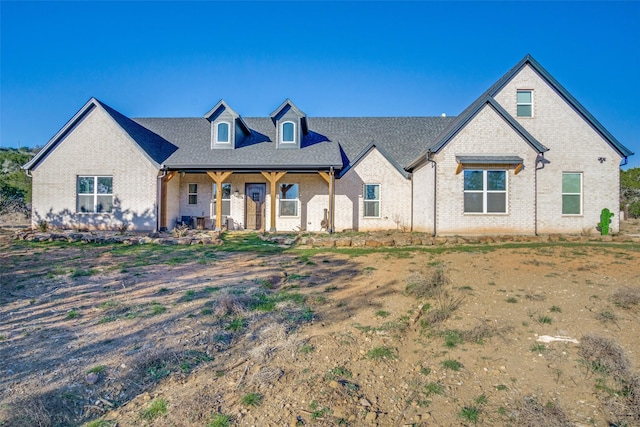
(602, 159)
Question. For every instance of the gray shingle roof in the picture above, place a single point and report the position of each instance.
(327, 140)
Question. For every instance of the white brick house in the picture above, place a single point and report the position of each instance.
(524, 158)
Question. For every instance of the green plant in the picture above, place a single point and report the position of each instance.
(73, 314)
(339, 372)
(156, 408)
(79, 272)
(452, 338)
(482, 399)
(237, 324)
(511, 300)
(501, 387)
(220, 420)
(100, 423)
(157, 308)
(380, 353)
(43, 226)
(98, 369)
(433, 388)
(538, 348)
(425, 371)
(555, 309)
(251, 399)
(545, 320)
(382, 313)
(453, 365)
(470, 414)
(306, 348)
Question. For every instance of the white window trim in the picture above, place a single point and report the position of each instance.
(573, 194)
(282, 141)
(189, 194)
(520, 103)
(213, 200)
(296, 200)
(364, 201)
(486, 191)
(95, 194)
(215, 132)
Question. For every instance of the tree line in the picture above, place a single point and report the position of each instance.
(15, 185)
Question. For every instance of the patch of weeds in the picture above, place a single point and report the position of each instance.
(156, 309)
(433, 388)
(58, 271)
(298, 276)
(501, 387)
(626, 297)
(339, 372)
(381, 353)
(159, 371)
(155, 409)
(236, 324)
(206, 311)
(451, 364)
(251, 399)
(100, 423)
(73, 314)
(366, 270)
(306, 349)
(107, 319)
(80, 272)
(220, 420)
(163, 290)
(452, 338)
(555, 309)
(532, 413)
(535, 297)
(481, 400)
(189, 295)
(545, 320)
(426, 287)
(470, 414)
(425, 371)
(320, 300)
(382, 313)
(604, 356)
(538, 348)
(465, 288)
(511, 300)
(98, 369)
(330, 288)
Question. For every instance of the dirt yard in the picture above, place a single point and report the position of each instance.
(252, 334)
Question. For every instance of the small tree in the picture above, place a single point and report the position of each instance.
(630, 191)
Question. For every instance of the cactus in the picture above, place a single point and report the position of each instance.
(605, 220)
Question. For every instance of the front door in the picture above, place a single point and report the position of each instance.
(255, 194)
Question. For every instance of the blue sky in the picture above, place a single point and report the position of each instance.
(177, 59)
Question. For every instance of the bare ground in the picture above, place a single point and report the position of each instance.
(275, 337)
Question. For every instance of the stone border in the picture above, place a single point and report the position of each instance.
(191, 237)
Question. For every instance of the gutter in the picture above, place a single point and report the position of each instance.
(163, 168)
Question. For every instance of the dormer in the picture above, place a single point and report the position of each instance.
(291, 125)
(227, 127)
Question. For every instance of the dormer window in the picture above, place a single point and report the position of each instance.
(222, 133)
(288, 133)
(524, 103)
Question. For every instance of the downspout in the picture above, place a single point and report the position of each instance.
(539, 161)
(332, 200)
(435, 191)
(412, 195)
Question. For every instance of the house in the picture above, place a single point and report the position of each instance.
(525, 158)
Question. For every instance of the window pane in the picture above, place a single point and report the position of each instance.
(223, 132)
(496, 180)
(497, 202)
(524, 111)
(288, 191)
(287, 132)
(105, 185)
(85, 204)
(193, 199)
(372, 209)
(571, 182)
(372, 192)
(226, 191)
(571, 204)
(288, 208)
(226, 207)
(473, 202)
(105, 204)
(473, 180)
(524, 97)
(193, 188)
(85, 184)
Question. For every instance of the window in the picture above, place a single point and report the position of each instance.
(193, 194)
(95, 194)
(289, 194)
(222, 133)
(372, 200)
(288, 132)
(571, 193)
(525, 103)
(485, 191)
(226, 199)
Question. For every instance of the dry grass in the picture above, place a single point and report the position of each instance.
(627, 298)
(427, 287)
(530, 413)
(604, 356)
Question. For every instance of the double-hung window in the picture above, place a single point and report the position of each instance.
(226, 199)
(372, 200)
(525, 103)
(193, 194)
(289, 195)
(571, 193)
(95, 194)
(485, 191)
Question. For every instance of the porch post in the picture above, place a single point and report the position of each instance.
(219, 178)
(273, 178)
(330, 178)
(163, 198)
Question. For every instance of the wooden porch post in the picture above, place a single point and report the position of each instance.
(273, 178)
(163, 198)
(330, 178)
(219, 178)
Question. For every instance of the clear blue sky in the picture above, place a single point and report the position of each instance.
(177, 59)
